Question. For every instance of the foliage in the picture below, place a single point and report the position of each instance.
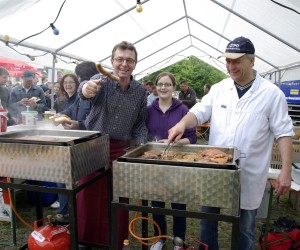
(196, 72)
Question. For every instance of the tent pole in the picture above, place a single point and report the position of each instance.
(53, 77)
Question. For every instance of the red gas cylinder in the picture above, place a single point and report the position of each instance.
(49, 237)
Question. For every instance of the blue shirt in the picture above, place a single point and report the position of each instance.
(18, 93)
(78, 111)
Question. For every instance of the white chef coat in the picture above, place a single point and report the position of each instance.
(250, 124)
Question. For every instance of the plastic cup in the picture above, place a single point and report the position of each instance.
(29, 118)
(48, 114)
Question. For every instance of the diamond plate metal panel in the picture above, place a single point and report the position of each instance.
(189, 185)
(61, 164)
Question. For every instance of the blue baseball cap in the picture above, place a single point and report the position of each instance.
(238, 47)
(28, 75)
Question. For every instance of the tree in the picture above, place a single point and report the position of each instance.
(196, 72)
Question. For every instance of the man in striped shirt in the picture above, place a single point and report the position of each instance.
(119, 110)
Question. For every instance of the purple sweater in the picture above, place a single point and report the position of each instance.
(158, 123)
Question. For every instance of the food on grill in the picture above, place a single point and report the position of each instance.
(152, 154)
(106, 73)
(216, 155)
(209, 155)
(62, 119)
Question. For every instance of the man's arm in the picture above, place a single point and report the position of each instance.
(284, 178)
(176, 132)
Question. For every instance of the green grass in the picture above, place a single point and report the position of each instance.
(27, 211)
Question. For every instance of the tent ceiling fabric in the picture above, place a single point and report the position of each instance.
(164, 32)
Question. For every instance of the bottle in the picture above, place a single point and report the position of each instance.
(126, 245)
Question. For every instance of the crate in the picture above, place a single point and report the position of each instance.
(294, 198)
(276, 157)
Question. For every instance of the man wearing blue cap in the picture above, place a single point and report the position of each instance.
(27, 95)
(247, 112)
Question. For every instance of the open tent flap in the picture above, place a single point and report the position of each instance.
(164, 32)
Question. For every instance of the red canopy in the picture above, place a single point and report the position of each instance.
(15, 68)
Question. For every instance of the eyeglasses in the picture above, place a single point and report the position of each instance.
(121, 60)
(166, 84)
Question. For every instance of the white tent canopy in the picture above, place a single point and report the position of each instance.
(166, 31)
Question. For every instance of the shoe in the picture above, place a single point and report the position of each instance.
(55, 205)
(64, 220)
(157, 246)
(177, 247)
(4, 216)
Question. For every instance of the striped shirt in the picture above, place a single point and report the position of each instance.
(119, 113)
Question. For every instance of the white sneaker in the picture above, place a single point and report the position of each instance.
(4, 216)
(55, 205)
(177, 247)
(157, 246)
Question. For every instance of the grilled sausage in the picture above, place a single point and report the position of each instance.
(106, 73)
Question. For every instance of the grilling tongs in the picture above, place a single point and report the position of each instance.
(167, 149)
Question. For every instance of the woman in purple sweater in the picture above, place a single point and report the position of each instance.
(162, 115)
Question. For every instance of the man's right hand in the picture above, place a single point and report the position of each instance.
(176, 132)
(90, 88)
(24, 101)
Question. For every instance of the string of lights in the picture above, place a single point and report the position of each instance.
(6, 37)
(55, 30)
(75, 62)
(32, 57)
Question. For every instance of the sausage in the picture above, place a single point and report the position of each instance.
(61, 119)
(106, 73)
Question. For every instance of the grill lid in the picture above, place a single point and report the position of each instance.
(49, 137)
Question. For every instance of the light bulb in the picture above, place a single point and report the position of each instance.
(6, 39)
(32, 58)
(139, 8)
(54, 29)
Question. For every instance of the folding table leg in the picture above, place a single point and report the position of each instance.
(268, 219)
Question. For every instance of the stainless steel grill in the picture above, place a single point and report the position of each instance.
(62, 156)
(209, 184)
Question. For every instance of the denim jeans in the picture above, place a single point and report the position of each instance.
(63, 201)
(179, 223)
(209, 229)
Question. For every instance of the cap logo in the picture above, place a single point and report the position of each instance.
(234, 46)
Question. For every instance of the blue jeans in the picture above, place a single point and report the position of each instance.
(179, 223)
(209, 229)
(63, 201)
